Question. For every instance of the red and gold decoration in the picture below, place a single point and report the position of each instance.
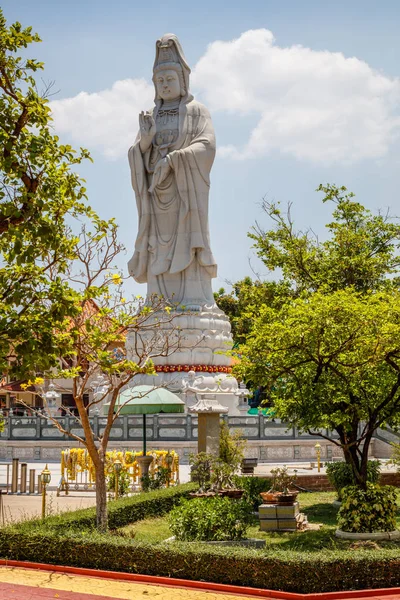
(197, 368)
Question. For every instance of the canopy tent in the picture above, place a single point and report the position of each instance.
(260, 410)
(146, 400)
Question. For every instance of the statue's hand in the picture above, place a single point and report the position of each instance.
(148, 130)
(161, 171)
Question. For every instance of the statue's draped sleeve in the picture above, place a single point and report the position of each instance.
(190, 159)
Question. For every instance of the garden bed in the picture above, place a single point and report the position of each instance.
(330, 564)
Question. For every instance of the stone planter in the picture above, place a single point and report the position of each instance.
(144, 464)
(246, 542)
(374, 535)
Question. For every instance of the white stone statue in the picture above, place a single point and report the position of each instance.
(170, 166)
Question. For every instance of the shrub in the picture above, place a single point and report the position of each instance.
(252, 487)
(340, 474)
(157, 480)
(200, 471)
(231, 446)
(217, 472)
(120, 512)
(271, 569)
(365, 511)
(124, 483)
(209, 519)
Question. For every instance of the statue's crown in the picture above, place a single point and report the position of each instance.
(166, 51)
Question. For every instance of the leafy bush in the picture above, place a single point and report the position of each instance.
(157, 480)
(340, 474)
(124, 483)
(209, 519)
(373, 509)
(252, 487)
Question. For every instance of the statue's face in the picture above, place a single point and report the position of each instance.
(168, 86)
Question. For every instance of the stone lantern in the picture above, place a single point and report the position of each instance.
(208, 410)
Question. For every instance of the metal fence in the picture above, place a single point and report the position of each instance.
(159, 428)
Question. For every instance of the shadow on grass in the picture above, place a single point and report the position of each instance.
(324, 513)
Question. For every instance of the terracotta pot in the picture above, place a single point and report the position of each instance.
(288, 498)
(270, 497)
(231, 493)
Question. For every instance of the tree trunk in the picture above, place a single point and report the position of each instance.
(101, 499)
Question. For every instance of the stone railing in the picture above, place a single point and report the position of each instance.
(159, 428)
(388, 435)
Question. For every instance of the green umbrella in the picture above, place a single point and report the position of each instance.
(146, 400)
(267, 412)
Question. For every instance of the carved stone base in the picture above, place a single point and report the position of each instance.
(197, 341)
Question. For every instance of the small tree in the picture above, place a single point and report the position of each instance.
(96, 341)
(332, 361)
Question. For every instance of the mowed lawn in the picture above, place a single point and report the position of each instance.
(317, 506)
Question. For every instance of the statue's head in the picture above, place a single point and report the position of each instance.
(169, 82)
(170, 71)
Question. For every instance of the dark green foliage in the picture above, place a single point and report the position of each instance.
(303, 572)
(245, 299)
(157, 481)
(252, 487)
(120, 512)
(340, 474)
(209, 519)
(373, 509)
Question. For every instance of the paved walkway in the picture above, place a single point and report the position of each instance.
(27, 584)
(32, 584)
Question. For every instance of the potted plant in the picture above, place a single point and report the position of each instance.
(280, 491)
(201, 465)
(222, 479)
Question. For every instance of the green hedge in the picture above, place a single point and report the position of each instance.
(70, 539)
(279, 570)
(120, 512)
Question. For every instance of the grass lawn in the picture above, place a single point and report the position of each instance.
(317, 506)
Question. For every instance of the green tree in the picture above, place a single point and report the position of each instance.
(242, 304)
(330, 354)
(332, 362)
(360, 251)
(39, 192)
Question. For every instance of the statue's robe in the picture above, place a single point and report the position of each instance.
(172, 249)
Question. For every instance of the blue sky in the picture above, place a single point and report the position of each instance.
(300, 93)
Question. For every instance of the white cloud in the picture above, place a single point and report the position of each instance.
(107, 120)
(314, 105)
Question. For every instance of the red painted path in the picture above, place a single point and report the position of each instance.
(28, 581)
